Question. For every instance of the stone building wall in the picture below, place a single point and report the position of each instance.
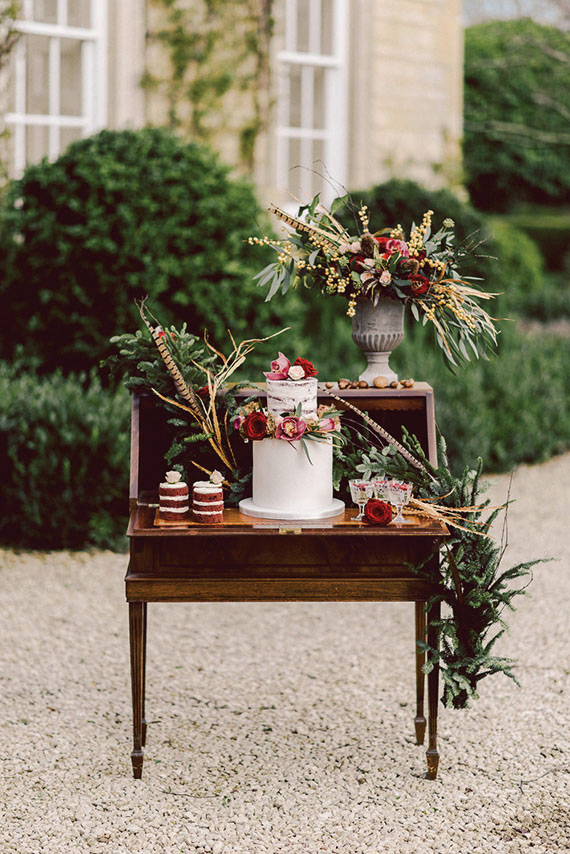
(407, 85)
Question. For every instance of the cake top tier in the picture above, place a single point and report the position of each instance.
(285, 396)
(290, 386)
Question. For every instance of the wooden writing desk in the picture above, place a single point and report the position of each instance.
(261, 560)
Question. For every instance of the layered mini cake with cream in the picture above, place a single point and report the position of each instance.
(207, 502)
(173, 496)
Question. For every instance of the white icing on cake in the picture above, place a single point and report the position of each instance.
(176, 488)
(284, 479)
(286, 395)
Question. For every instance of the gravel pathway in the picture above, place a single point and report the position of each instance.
(278, 727)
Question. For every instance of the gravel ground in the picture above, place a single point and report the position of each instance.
(278, 727)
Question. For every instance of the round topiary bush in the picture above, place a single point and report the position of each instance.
(120, 215)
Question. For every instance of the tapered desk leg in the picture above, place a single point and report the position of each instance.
(419, 720)
(432, 754)
(136, 637)
(145, 617)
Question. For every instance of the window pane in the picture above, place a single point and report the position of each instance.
(37, 76)
(319, 166)
(67, 136)
(294, 175)
(79, 13)
(70, 83)
(327, 23)
(46, 11)
(37, 143)
(319, 93)
(294, 118)
(303, 25)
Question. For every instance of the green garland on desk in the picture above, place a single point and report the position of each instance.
(471, 582)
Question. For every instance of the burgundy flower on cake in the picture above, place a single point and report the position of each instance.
(290, 428)
(254, 426)
(279, 368)
(377, 512)
(308, 367)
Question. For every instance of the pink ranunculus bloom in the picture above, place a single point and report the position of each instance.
(393, 245)
(290, 428)
(279, 368)
(238, 422)
(326, 424)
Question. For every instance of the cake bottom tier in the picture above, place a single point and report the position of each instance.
(286, 485)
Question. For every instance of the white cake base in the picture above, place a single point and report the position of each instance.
(287, 486)
(250, 509)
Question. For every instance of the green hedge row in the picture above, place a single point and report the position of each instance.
(64, 447)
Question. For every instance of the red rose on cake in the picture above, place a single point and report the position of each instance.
(308, 367)
(254, 426)
(377, 512)
(290, 428)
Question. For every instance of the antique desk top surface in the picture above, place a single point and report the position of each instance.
(143, 523)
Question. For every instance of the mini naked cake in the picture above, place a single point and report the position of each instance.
(207, 502)
(173, 497)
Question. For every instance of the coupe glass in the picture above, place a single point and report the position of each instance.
(360, 492)
(381, 489)
(399, 495)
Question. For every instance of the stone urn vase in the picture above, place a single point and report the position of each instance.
(377, 331)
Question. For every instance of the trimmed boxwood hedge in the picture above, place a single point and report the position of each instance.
(118, 216)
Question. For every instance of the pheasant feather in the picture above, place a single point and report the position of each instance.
(381, 432)
(181, 386)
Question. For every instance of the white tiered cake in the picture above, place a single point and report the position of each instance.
(286, 485)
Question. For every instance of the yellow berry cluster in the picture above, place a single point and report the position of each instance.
(416, 240)
(397, 233)
(437, 265)
(351, 310)
(363, 217)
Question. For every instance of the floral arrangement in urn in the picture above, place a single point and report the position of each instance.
(421, 268)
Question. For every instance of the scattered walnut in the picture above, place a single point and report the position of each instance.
(380, 382)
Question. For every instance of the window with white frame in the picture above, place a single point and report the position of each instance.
(57, 78)
(312, 99)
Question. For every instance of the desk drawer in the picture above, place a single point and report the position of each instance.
(291, 555)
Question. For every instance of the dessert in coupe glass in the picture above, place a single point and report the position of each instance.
(360, 492)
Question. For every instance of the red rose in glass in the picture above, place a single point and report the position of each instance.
(307, 366)
(419, 284)
(254, 425)
(377, 512)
